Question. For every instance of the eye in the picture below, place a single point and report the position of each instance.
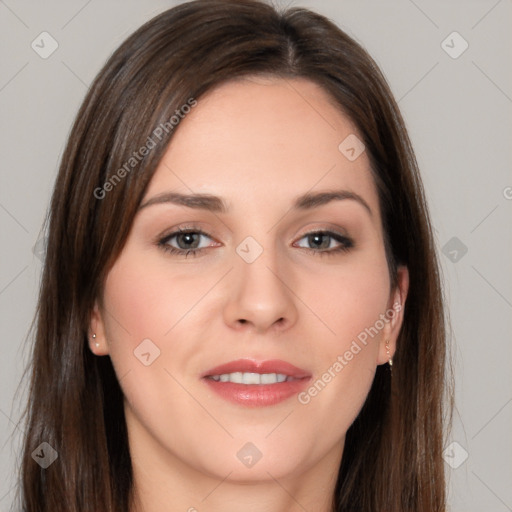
(321, 242)
(184, 242)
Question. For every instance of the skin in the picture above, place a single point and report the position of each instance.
(257, 143)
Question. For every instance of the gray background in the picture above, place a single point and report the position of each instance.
(458, 112)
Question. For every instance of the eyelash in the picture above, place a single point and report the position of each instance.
(346, 243)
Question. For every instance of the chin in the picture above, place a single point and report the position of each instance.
(258, 460)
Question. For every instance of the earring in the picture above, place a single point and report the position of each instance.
(94, 337)
(390, 361)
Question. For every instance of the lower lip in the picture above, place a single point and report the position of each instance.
(257, 395)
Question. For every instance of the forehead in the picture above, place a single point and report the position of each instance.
(269, 138)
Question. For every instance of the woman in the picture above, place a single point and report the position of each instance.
(241, 304)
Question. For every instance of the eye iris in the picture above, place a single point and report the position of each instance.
(189, 238)
(314, 240)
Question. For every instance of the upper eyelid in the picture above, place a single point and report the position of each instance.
(191, 229)
(179, 231)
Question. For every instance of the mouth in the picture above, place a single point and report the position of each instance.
(254, 384)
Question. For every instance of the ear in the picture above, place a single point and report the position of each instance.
(97, 344)
(394, 316)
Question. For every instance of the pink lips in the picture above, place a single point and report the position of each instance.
(256, 395)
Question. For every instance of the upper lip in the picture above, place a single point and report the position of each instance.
(253, 366)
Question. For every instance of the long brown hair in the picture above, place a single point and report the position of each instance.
(392, 459)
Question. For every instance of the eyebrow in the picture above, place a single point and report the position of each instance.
(215, 204)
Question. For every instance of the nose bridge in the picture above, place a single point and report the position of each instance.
(260, 292)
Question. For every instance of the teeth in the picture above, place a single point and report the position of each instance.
(268, 378)
(251, 378)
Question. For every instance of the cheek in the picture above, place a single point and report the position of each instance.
(348, 298)
(144, 302)
(141, 309)
(150, 311)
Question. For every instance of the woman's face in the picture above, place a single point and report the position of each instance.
(269, 273)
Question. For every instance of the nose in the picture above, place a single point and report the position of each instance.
(261, 297)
